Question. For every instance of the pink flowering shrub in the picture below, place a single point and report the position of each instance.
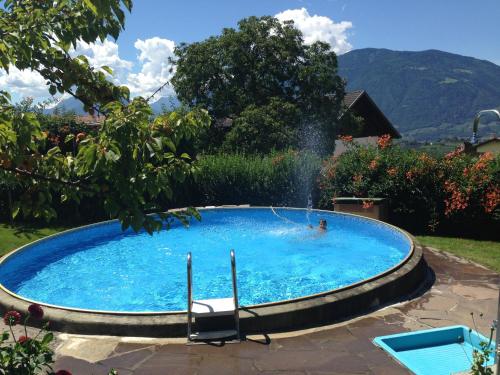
(454, 193)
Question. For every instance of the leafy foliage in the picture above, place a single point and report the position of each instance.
(37, 35)
(423, 192)
(129, 162)
(481, 356)
(25, 355)
(261, 61)
(29, 357)
(480, 359)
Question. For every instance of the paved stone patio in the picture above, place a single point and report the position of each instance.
(459, 288)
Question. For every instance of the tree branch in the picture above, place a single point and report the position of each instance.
(156, 92)
(38, 176)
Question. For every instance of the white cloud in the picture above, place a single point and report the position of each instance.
(319, 28)
(155, 69)
(102, 53)
(23, 83)
(152, 69)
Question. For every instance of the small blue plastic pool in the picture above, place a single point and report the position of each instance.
(278, 258)
(438, 351)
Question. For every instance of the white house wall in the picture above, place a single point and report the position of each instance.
(366, 141)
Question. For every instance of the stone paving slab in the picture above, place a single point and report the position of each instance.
(460, 287)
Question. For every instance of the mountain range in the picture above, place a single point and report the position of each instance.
(428, 95)
(75, 106)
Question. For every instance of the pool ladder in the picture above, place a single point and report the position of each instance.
(212, 308)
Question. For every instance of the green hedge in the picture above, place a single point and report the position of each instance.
(280, 179)
(456, 194)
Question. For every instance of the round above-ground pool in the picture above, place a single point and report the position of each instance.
(102, 270)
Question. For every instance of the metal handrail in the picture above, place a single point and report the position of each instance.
(235, 293)
(190, 294)
(477, 119)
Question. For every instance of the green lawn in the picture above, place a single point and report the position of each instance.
(486, 253)
(12, 237)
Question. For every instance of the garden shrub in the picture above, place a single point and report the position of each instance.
(279, 179)
(25, 355)
(456, 194)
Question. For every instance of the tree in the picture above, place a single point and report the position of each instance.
(130, 162)
(262, 129)
(261, 60)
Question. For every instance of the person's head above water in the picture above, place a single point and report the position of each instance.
(322, 224)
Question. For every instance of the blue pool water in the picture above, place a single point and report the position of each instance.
(278, 257)
(439, 351)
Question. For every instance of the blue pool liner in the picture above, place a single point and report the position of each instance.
(279, 257)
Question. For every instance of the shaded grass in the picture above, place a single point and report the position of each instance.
(486, 253)
(12, 237)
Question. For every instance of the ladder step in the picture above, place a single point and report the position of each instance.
(213, 307)
(212, 335)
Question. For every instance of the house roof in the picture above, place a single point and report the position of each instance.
(473, 148)
(376, 122)
(91, 120)
(351, 97)
(491, 140)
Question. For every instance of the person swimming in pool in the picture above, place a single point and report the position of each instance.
(322, 225)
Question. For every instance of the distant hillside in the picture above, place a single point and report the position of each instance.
(427, 95)
(67, 105)
(74, 105)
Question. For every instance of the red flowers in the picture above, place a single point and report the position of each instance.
(384, 141)
(492, 199)
(367, 204)
(23, 340)
(346, 138)
(483, 161)
(458, 200)
(63, 372)
(36, 311)
(12, 318)
(459, 150)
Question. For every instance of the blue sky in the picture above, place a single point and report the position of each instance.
(140, 56)
(468, 27)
